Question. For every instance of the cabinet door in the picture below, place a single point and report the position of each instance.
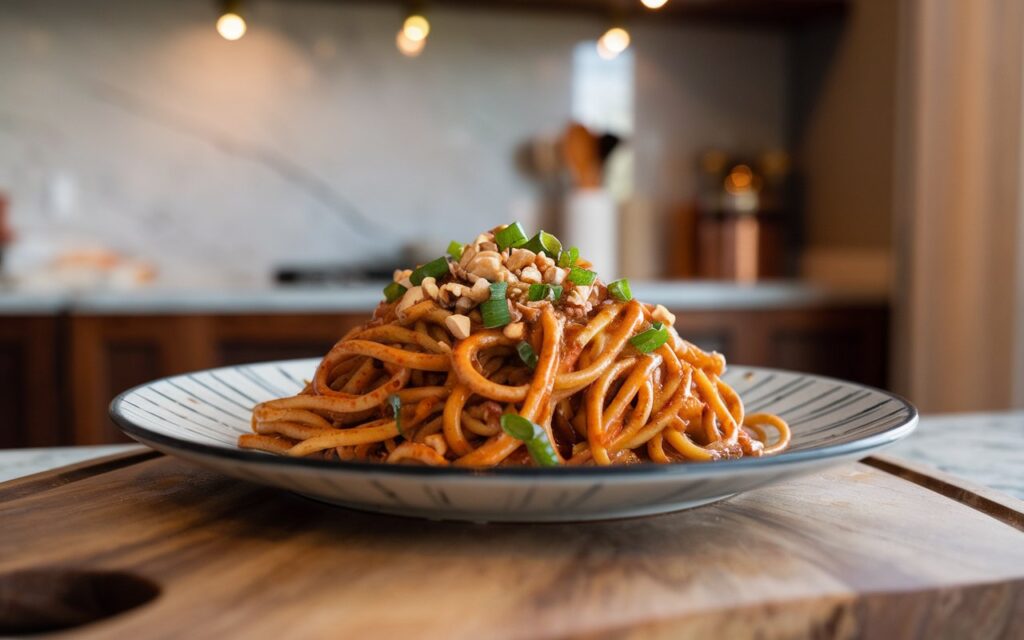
(849, 343)
(242, 339)
(112, 353)
(31, 382)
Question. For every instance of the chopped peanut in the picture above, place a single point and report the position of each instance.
(519, 258)
(467, 255)
(430, 287)
(514, 331)
(529, 312)
(530, 274)
(481, 291)
(661, 314)
(578, 296)
(411, 297)
(543, 262)
(437, 442)
(458, 325)
(449, 293)
(554, 275)
(486, 264)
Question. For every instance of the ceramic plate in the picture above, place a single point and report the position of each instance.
(199, 416)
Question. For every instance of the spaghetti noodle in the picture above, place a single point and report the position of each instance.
(510, 351)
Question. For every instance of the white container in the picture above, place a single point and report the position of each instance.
(592, 224)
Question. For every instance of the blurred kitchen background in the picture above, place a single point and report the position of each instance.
(833, 186)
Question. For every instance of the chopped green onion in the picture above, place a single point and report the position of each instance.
(581, 276)
(498, 290)
(567, 259)
(545, 242)
(495, 309)
(433, 269)
(396, 409)
(495, 313)
(527, 354)
(550, 292)
(620, 290)
(534, 436)
(519, 427)
(648, 341)
(511, 236)
(394, 291)
(455, 249)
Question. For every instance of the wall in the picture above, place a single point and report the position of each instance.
(842, 130)
(959, 330)
(132, 124)
(697, 88)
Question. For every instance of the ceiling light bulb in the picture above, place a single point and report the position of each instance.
(613, 42)
(604, 52)
(654, 4)
(231, 26)
(409, 48)
(416, 28)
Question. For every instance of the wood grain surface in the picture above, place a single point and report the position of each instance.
(855, 552)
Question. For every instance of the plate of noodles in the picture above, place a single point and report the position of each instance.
(505, 381)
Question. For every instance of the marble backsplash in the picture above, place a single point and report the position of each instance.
(133, 125)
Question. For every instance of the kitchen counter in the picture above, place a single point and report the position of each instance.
(31, 303)
(984, 448)
(363, 297)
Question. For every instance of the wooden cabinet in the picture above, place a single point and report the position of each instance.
(849, 342)
(60, 372)
(32, 384)
(112, 353)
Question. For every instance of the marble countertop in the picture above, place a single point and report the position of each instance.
(986, 449)
(16, 463)
(680, 295)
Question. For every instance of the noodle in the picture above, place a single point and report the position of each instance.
(603, 378)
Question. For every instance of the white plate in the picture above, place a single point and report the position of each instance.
(199, 416)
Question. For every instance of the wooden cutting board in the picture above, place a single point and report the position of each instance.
(879, 549)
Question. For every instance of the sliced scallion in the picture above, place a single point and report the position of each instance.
(545, 242)
(433, 269)
(533, 435)
(495, 309)
(582, 277)
(511, 236)
(568, 258)
(395, 403)
(527, 354)
(620, 290)
(455, 249)
(498, 290)
(394, 291)
(495, 313)
(649, 340)
(550, 292)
